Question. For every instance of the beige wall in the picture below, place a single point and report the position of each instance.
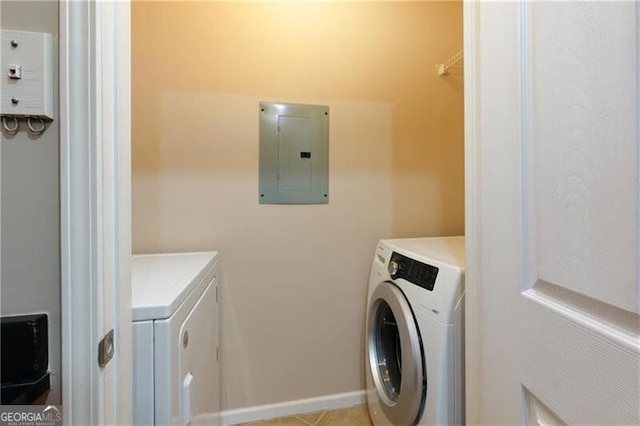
(296, 276)
(31, 204)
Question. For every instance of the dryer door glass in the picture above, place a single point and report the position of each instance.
(389, 351)
(395, 356)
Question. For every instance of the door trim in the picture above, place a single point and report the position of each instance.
(473, 215)
(95, 222)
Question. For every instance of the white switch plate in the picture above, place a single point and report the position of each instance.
(31, 94)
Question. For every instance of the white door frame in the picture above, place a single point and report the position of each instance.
(95, 179)
(473, 214)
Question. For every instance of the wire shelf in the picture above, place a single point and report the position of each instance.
(455, 62)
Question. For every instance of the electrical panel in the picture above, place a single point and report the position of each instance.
(294, 154)
(27, 74)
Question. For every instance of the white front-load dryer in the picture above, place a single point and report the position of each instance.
(415, 332)
(175, 312)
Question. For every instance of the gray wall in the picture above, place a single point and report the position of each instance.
(31, 204)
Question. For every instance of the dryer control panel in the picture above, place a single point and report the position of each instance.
(418, 273)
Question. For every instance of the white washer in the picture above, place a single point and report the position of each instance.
(414, 332)
(176, 339)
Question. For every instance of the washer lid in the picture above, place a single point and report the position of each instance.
(161, 282)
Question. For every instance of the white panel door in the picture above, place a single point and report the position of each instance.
(553, 212)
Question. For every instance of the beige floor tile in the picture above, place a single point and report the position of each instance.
(353, 416)
(282, 421)
(311, 418)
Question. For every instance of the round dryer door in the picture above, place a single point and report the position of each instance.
(395, 356)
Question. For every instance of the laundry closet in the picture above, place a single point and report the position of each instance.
(293, 293)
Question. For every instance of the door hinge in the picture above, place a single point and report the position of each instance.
(105, 349)
(217, 353)
(216, 294)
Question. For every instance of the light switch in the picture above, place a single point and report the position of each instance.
(15, 71)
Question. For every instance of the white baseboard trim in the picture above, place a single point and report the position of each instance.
(290, 408)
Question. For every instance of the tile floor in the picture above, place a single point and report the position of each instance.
(352, 416)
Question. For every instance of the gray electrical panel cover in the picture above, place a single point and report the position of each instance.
(294, 154)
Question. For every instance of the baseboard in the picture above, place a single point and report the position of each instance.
(290, 408)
